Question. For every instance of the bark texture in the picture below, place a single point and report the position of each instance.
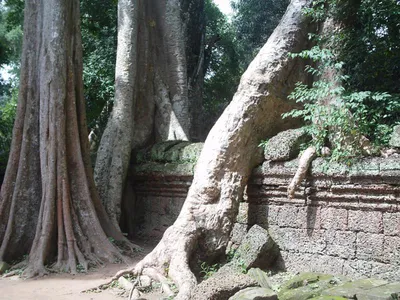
(115, 148)
(49, 207)
(157, 72)
(229, 154)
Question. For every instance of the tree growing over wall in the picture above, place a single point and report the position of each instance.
(347, 107)
(49, 207)
(230, 153)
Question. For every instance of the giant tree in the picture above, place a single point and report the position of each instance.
(230, 153)
(158, 84)
(49, 207)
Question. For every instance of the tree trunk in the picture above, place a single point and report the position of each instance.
(154, 104)
(49, 207)
(115, 147)
(230, 153)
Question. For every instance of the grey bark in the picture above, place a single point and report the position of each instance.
(230, 153)
(115, 148)
(157, 107)
(20, 192)
(48, 204)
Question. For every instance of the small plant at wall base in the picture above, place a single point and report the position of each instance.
(208, 270)
(263, 144)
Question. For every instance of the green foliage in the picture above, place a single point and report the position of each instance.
(336, 115)
(263, 144)
(222, 64)
(230, 255)
(367, 40)
(208, 270)
(376, 114)
(80, 268)
(99, 39)
(370, 43)
(14, 13)
(11, 21)
(254, 21)
(234, 256)
(365, 46)
(239, 41)
(8, 107)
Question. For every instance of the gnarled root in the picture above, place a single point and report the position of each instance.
(169, 258)
(304, 163)
(16, 269)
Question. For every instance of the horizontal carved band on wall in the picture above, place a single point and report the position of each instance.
(343, 219)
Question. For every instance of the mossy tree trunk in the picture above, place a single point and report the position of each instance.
(49, 207)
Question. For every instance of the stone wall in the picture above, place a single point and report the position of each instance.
(343, 220)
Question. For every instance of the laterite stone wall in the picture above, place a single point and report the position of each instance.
(343, 219)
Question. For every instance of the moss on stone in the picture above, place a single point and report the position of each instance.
(383, 292)
(162, 169)
(321, 166)
(157, 152)
(328, 298)
(304, 279)
(191, 152)
(261, 277)
(390, 164)
(170, 152)
(253, 293)
(174, 153)
(292, 164)
(308, 285)
(285, 145)
(365, 167)
(142, 156)
(350, 289)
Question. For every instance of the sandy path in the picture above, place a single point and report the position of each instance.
(59, 286)
(65, 286)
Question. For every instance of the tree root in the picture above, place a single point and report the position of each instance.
(304, 163)
(169, 258)
(12, 273)
(16, 269)
(148, 271)
(127, 248)
(157, 276)
(135, 283)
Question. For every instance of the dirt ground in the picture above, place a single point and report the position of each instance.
(66, 286)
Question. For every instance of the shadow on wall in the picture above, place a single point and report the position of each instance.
(342, 220)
